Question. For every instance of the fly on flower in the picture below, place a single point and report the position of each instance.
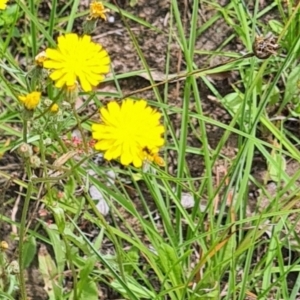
(150, 157)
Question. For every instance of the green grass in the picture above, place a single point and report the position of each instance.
(189, 254)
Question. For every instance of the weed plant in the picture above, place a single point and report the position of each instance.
(216, 250)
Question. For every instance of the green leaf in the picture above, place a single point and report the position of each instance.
(133, 2)
(274, 95)
(139, 291)
(88, 267)
(276, 26)
(84, 286)
(213, 293)
(57, 245)
(230, 248)
(9, 14)
(77, 240)
(232, 102)
(132, 258)
(90, 291)
(29, 251)
(70, 187)
(59, 217)
(275, 170)
(169, 262)
(5, 296)
(48, 270)
(292, 88)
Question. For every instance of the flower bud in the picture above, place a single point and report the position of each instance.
(71, 93)
(47, 141)
(3, 246)
(14, 267)
(25, 150)
(35, 161)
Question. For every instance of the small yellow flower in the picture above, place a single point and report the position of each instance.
(77, 58)
(97, 10)
(54, 108)
(3, 4)
(130, 131)
(31, 101)
(3, 246)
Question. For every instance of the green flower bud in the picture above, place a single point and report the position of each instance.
(25, 150)
(35, 161)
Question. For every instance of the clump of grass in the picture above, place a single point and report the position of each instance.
(220, 248)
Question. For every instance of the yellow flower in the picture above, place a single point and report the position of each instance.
(3, 4)
(130, 131)
(31, 101)
(3, 246)
(97, 10)
(54, 108)
(77, 58)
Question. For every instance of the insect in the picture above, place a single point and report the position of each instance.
(149, 156)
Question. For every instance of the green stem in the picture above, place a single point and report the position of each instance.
(23, 232)
(33, 28)
(71, 264)
(25, 129)
(80, 129)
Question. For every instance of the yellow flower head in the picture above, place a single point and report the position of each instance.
(77, 58)
(130, 131)
(3, 4)
(97, 10)
(31, 101)
(54, 108)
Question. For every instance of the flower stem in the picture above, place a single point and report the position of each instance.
(80, 129)
(23, 231)
(25, 128)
